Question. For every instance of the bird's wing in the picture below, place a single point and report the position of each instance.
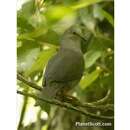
(65, 66)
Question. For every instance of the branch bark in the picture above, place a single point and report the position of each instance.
(29, 83)
(68, 106)
(103, 100)
(23, 112)
(93, 105)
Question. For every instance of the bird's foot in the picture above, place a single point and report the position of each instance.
(67, 98)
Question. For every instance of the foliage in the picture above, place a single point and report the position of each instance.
(40, 25)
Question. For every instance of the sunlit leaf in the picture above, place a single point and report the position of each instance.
(41, 61)
(84, 3)
(50, 37)
(28, 8)
(34, 34)
(88, 79)
(87, 18)
(23, 24)
(101, 14)
(108, 17)
(91, 57)
(45, 127)
(26, 55)
(55, 13)
(100, 43)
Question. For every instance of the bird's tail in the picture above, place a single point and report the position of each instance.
(47, 93)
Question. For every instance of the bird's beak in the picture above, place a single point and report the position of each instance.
(83, 33)
(86, 36)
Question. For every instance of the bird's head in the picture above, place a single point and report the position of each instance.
(77, 34)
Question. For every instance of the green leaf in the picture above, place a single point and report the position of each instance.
(28, 8)
(41, 61)
(50, 37)
(84, 3)
(88, 79)
(108, 17)
(52, 15)
(87, 18)
(26, 55)
(41, 35)
(91, 57)
(100, 43)
(23, 24)
(31, 35)
(101, 14)
(55, 13)
(97, 13)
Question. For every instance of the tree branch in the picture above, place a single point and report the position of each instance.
(100, 107)
(23, 112)
(94, 105)
(97, 104)
(68, 106)
(103, 100)
(31, 84)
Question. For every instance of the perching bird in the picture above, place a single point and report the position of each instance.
(65, 69)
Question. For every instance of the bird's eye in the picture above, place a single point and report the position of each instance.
(73, 32)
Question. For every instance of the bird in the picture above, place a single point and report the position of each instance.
(65, 69)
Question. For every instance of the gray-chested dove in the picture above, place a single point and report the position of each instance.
(65, 69)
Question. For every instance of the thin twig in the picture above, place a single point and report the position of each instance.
(22, 112)
(97, 104)
(103, 100)
(31, 84)
(100, 107)
(68, 106)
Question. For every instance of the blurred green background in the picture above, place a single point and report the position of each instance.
(40, 25)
